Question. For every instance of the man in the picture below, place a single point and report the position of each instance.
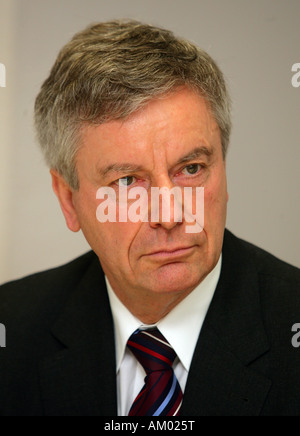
(156, 320)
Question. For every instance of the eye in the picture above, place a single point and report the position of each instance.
(126, 181)
(191, 169)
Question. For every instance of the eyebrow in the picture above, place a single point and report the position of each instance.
(129, 168)
(120, 168)
(196, 153)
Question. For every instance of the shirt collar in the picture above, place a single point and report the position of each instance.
(181, 327)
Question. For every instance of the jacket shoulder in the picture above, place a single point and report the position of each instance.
(29, 308)
(278, 293)
(265, 263)
(28, 296)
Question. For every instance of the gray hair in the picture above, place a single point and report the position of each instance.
(109, 71)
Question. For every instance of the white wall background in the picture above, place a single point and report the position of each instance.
(255, 42)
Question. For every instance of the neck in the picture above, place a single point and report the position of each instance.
(150, 308)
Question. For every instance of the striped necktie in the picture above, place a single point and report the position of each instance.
(161, 394)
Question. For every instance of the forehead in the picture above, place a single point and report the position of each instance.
(167, 125)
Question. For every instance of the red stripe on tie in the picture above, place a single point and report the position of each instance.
(161, 394)
(148, 351)
(143, 391)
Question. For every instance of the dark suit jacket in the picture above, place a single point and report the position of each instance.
(60, 356)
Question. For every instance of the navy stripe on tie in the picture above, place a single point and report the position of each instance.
(161, 394)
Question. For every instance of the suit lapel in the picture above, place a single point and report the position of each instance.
(223, 378)
(80, 380)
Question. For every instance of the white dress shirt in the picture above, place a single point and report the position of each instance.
(181, 327)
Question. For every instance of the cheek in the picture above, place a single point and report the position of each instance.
(116, 235)
(112, 242)
(215, 200)
(113, 245)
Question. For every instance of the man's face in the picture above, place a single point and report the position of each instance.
(171, 142)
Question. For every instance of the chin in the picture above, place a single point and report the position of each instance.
(176, 278)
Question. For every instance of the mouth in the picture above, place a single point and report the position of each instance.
(171, 253)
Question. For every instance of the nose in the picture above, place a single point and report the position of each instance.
(165, 208)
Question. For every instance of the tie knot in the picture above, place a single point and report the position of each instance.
(152, 350)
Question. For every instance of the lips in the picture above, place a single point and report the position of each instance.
(171, 252)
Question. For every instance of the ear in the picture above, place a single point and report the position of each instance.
(65, 197)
